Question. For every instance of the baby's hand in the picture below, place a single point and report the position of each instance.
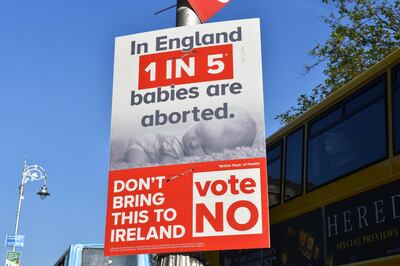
(171, 149)
(137, 156)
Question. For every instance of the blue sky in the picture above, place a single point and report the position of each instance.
(56, 63)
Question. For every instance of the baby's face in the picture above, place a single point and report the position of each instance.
(206, 138)
(192, 145)
(215, 136)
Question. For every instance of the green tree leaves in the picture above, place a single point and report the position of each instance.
(363, 32)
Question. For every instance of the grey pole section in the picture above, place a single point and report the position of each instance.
(185, 16)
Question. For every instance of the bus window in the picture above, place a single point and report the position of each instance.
(396, 108)
(274, 159)
(366, 97)
(95, 257)
(294, 164)
(329, 119)
(356, 141)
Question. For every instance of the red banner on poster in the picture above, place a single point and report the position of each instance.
(201, 206)
(179, 67)
(205, 9)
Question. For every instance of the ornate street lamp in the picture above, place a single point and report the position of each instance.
(30, 173)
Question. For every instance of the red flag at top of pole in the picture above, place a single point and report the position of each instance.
(205, 9)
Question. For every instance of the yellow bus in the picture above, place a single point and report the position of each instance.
(334, 179)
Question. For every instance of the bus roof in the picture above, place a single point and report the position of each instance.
(347, 89)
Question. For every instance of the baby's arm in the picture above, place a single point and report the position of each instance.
(167, 158)
(137, 156)
(171, 149)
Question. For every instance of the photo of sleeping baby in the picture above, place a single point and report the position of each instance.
(224, 139)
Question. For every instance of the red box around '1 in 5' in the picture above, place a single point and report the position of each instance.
(180, 67)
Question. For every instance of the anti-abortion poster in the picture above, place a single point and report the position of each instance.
(187, 154)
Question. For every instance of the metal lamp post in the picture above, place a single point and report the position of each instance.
(185, 16)
(30, 173)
